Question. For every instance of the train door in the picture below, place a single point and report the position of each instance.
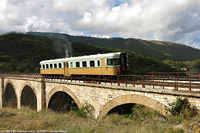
(103, 67)
(66, 70)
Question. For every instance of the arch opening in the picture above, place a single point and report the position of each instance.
(28, 98)
(122, 109)
(10, 98)
(135, 111)
(143, 101)
(62, 102)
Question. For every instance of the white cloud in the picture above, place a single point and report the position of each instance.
(168, 20)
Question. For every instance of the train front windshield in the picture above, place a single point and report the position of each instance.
(124, 62)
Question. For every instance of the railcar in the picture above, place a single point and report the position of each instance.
(99, 64)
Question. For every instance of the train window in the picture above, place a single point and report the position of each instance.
(47, 66)
(71, 64)
(43, 66)
(92, 63)
(98, 63)
(113, 62)
(55, 65)
(51, 65)
(116, 61)
(108, 62)
(60, 65)
(77, 64)
(84, 64)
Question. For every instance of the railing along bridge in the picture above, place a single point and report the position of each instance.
(186, 81)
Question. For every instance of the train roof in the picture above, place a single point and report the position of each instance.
(96, 56)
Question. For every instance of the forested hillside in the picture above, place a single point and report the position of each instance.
(22, 53)
(156, 49)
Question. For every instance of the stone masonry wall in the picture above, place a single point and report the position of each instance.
(102, 97)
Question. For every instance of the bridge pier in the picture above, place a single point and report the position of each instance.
(41, 96)
(18, 102)
(1, 92)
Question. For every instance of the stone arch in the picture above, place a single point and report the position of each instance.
(10, 82)
(133, 98)
(12, 93)
(31, 102)
(63, 89)
(30, 85)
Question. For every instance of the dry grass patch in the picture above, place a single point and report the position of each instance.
(27, 119)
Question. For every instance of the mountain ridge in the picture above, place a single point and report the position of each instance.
(152, 48)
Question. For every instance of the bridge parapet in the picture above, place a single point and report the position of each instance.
(32, 76)
(187, 82)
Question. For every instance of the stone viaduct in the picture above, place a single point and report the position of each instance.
(102, 97)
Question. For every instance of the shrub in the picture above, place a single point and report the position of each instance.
(140, 113)
(182, 107)
(85, 111)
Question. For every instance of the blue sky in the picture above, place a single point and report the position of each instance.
(164, 20)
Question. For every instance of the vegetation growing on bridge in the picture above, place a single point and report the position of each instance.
(182, 107)
(183, 116)
(85, 111)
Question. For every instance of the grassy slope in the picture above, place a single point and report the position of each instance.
(144, 120)
(22, 53)
(155, 49)
(26, 119)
